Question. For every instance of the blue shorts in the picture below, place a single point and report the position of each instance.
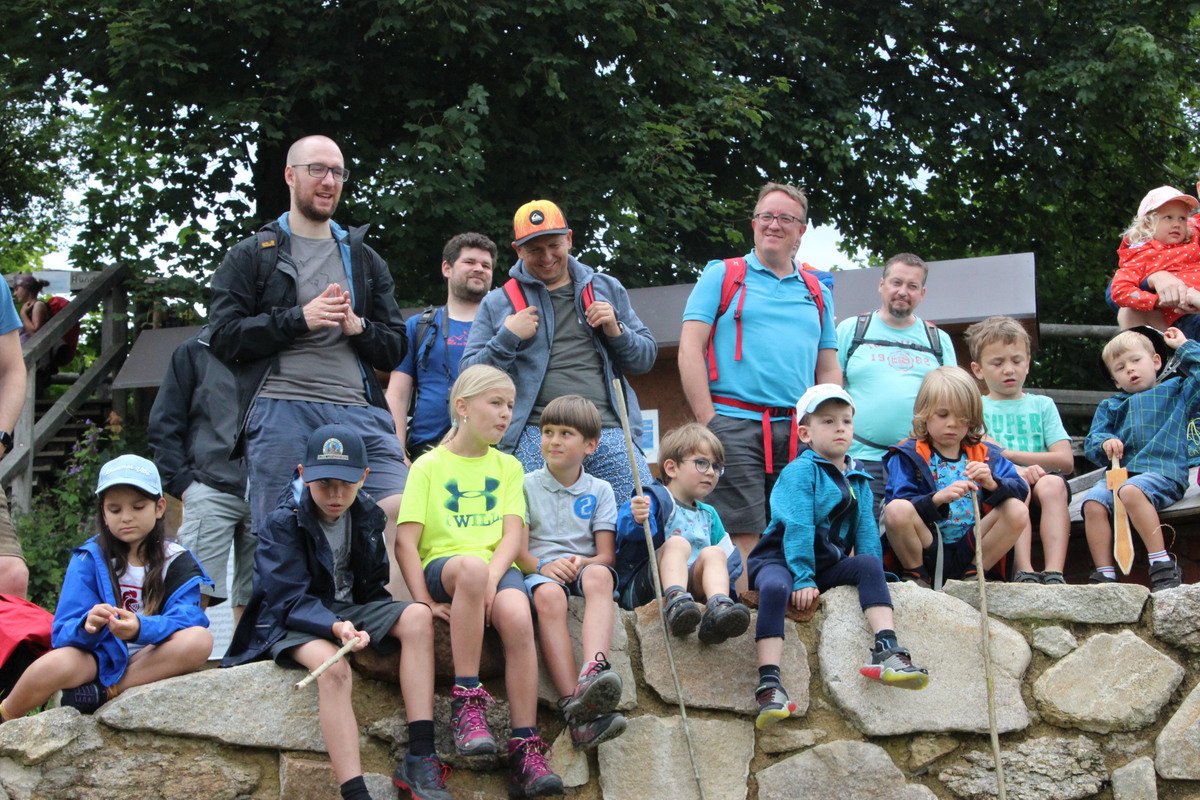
(574, 588)
(511, 579)
(1161, 491)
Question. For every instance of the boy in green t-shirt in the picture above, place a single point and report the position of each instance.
(1029, 430)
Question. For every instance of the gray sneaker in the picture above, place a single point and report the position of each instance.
(1165, 575)
(597, 693)
(587, 735)
(895, 668)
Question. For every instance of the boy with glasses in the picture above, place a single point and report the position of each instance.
(696, 558)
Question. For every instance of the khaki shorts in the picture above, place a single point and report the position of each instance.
(9, 544)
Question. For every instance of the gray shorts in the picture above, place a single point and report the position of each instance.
(743, 494)
(376, 618)
(213, 523)
(511, 579)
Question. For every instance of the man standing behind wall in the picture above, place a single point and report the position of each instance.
(884, 356)
(781, 345)
(437, 339)
(304, 313)
(14, 574)
(575, 332)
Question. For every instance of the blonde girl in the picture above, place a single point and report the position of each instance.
(129, 612)
(460, 529)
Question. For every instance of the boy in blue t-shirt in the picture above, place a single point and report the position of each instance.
(696, 558)
(1031, 434)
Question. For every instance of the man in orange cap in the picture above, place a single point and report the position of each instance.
(558, 327)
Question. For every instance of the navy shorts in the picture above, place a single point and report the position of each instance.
(958, 557)
(511, 579)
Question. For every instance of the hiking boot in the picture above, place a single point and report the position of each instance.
(895, 668)
(723, 619)
(916, 577)
(589, 734)
(529, 773)
(90, 696)
(423, 776)
(683, 614)
(597, 693)
(1027, 577)
(1053, 577)
(1099, 577)
(773, 704)
(468, 721)
(1165, 575)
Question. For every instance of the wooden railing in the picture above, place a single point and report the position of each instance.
(107, 293)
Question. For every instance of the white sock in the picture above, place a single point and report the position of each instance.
(1108, 572)
(1159, 557)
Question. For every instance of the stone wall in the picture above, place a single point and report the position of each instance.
(1096, 692)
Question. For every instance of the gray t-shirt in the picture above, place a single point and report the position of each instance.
(320, 366)
(575, 365)
(338, 535)
(563, 520)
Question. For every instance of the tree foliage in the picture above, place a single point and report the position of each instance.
(950, 129)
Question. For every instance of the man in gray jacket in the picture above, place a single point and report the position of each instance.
(193, 425)
(558, 327)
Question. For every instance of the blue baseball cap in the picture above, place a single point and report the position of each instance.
(130, 470)
(335, 451)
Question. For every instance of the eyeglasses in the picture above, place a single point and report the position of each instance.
(704, 465)
(785, 220)
(318, 171)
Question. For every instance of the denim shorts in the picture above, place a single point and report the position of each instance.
(574, 588)
(1161, 491)
(511, 579)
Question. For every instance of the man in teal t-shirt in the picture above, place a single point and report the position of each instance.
(884, 372)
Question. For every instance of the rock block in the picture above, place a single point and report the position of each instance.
(1177, 749)
(618, 658)
(1054, 641)
(1175, 614)
(386, 669)
(651, 760)
(568, 763)
(938, 630)
(784, 737)
(1109, 605)
(253, 705)
(158, 770)
(32, 740)
(1037, 769)
(836, 771)
(720, 676)
(1135, 781)
(924, 750)
(1113, 682)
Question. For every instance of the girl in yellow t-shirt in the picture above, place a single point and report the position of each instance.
(460, 529)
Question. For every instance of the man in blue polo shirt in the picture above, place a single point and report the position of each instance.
(14, 575)
(437, 339)
(779, 345)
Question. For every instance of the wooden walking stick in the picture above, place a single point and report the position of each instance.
(329, 662)
(985, 636)
(1122, 537)
(619, 393)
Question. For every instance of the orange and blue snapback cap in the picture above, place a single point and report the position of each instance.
(537, 218)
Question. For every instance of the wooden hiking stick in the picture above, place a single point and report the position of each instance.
(619, 392)
(329, 662)
(985, 636)
(1122, 538)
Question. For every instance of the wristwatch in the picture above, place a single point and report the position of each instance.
(7, 441)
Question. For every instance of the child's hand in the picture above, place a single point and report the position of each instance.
(639, 507)
(1173, 336)
(1114, 448)
(981, 474)
(440, 611)
(98, 617)
(489, 597)
(344, 631)
(952, 492)
(562, 570)
(806, 598)
(125, 625)
(1031, 474)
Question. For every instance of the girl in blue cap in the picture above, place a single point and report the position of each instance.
(129, 611)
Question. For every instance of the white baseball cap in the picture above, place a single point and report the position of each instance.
(818, 394)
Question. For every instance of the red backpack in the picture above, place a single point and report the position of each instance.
(733, 283)
(516, 295)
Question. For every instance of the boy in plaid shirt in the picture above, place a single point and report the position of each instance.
(1145, 427)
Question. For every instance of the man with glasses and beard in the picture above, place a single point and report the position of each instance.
(437, 338)
(304, 313)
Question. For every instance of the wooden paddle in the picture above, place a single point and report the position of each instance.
(1122, 538)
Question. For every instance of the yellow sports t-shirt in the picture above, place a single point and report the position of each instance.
(462, 502)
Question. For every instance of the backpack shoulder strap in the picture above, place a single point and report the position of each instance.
(814, 288)
(732, 282)
(516, 295)
(268, 255)
(935, 340)
(423, 323)
(860, 333)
